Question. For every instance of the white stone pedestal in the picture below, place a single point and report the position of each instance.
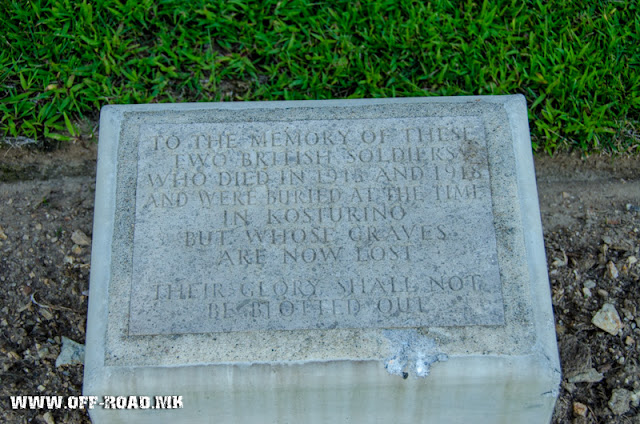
(376, 260)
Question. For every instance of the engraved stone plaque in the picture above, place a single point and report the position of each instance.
(266, 259)
(308, 224)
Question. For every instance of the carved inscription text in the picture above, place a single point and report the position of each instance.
(313, 224)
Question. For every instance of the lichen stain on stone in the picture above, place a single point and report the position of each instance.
(411, 352)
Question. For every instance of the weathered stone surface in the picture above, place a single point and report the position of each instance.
(265, 259)
(308, 223)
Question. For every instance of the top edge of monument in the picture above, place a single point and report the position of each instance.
(284, 104)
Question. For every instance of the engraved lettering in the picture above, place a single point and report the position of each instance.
(320, 223)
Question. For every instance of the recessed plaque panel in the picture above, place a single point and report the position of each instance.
(313, 224)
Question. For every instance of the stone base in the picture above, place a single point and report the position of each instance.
(489, 390)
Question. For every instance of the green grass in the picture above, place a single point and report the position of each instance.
(576, 61)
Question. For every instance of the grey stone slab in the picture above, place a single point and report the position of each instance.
(313, 223)
(263, 259)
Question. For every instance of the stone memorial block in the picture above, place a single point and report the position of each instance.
(320, 261)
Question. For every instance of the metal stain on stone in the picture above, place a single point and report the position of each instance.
(411, 352)
(314, 224)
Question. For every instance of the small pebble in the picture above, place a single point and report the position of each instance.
(80, 238)
(580, 409)
(48, 418)
(635, 399)
(589, 284)
(38, 226)
(629, 341)
(612, 271)
(71, 353)
(46, 314)
(569, 387)
(619, 402)
(589, 376)
(607, 319)
(628, 316)
(43, 352)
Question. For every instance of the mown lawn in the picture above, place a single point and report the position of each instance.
(576, 61)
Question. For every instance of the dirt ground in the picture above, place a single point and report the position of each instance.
(591, 218)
